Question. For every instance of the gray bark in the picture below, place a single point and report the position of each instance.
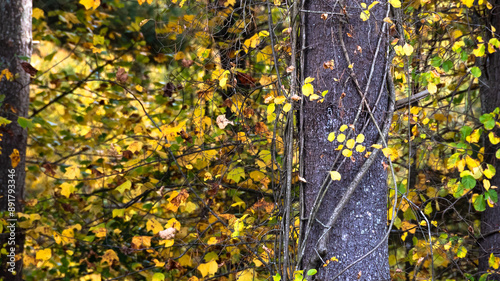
(15, 41)
(490, 99)
(362, 223)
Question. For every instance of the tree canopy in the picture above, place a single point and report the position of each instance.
(163, 139)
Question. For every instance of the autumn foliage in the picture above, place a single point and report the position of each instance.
(156, 145)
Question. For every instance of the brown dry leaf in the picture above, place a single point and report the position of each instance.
(168, 233)
(28, 68)
(290, 69)
(260, 127)
(329, 64)
(222, 121)
(121, 75)
(180, 198)
(245, 79)
(324, 16)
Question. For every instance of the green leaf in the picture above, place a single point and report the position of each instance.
(484, 277)
(4, 121)
(24, 122)
(488, 121)
(476, 71)
(447, 65)
(464, 56)
(497, 154)
(311, 272)
(236, 174)
(480, 203)
(436, 61)
(465, 130)
(277, 277)
(461, 252)
(493, 195)
(158, 276)
(469, 182)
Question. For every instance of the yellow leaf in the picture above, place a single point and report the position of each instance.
(314, 97)
(173, 223)
(100, 232)
(360, 148)
(271, 108)
(43, 255)
(468, 3)
(395, 3)
(346, 153)
(179, 56)
(308, 80)
(408, 49)
(8, 75)
(493, 261)
(15, 158)
(109, 256)
(365, 15)
(490, 172)
(341, 138)
(212, 241)
(407, 226)
(486, 184)
(462, 251)
(377, 146)
(343, 128)
(90, 4)
(335, 175)
(245, 275)
(154, 225)
(139, 88)
(287, 107)
(387, 152)
(360, 138)
(72, 172)
(67, 189)
(432, 88)
(139, 242)
(209, 268)
(38, 13)
(124, 186)
(279, 100)
(471, 163)
(158, 263)
(307, 89)
(473, 137)
(331, 137)
(350, 143)
(493, 138)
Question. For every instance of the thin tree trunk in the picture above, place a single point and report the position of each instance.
(490, 99)
(15, 43)
(362, 223)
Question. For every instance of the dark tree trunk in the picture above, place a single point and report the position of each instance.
(362, 223)
(490, 99)
(15, 42)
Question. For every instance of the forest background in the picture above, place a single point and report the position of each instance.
(164, 141)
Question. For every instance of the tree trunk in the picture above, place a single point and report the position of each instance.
(363, 221)
(490, 99)
(15, 42)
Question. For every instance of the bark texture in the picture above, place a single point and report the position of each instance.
(362, 223)
(490, 99)
(15, 42)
